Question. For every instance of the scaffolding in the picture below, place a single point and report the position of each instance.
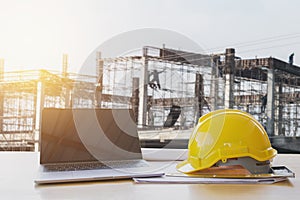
(167, 89)
(268, 89)
(161, 81)
(23, 95)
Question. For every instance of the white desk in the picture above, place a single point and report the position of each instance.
(17, 171)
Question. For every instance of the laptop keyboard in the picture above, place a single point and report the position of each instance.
(94, 165)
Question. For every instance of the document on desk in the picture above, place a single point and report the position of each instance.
(278, 174)
(190, 180)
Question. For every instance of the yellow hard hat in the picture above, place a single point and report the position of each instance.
(225, 134)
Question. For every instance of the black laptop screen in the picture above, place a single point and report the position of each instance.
(75, 135)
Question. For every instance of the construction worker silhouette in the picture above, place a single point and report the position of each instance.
(154, 83)
(263, 103)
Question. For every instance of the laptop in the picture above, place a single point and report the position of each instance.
(90, 144)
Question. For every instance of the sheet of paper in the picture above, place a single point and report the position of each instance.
(189, 180)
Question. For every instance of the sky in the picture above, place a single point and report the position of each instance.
(34, 34)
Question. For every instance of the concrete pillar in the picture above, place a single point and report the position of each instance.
(65, 65)
(143, 94)
(99, 87)
(39, 105)
(199, 92)
(214, 87)
(279, 113)
(229, 78)
(65, 75)
(270, 101)
(135, 98)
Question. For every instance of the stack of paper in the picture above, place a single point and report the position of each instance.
(277, 174)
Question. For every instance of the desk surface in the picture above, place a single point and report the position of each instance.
(17, 171)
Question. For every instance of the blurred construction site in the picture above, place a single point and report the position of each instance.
(167, 89)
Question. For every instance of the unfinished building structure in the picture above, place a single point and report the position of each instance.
(156, 84)
(23, 95)
(182, 86)
(269, 89)
(167, 89)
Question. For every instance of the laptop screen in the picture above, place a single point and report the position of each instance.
(78, 135)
